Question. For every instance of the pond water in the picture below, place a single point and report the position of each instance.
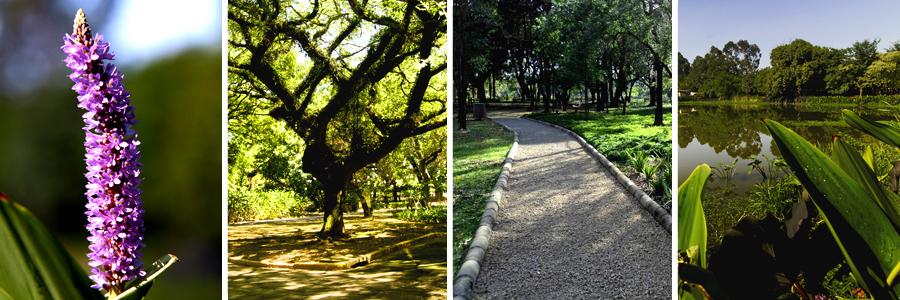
(715, 134)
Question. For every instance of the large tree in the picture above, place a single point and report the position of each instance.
(352, 79)
(800, 68)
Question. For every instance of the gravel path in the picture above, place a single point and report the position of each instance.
(567, 230)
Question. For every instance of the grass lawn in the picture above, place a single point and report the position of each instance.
(478, 155)
(613, 134)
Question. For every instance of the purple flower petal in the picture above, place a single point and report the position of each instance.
(115, 217)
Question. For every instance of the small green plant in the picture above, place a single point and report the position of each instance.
(724, 171)
(638, 159)
(649, 170)
(775, 196)
(842, 287)
(661, 183)
(770, 170)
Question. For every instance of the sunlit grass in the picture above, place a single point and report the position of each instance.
(478, 155)
(614, 134)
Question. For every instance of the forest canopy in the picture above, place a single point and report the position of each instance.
(335, 100)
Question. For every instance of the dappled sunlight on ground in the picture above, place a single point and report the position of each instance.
(417, 272)
(297, 242)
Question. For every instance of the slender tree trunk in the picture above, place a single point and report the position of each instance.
(658, 66)
(493, 86)
(460, 63)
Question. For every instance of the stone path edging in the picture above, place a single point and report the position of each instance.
(321, 266)
(647, 203)
(467, 274)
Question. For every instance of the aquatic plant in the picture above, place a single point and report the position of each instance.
(725, 171)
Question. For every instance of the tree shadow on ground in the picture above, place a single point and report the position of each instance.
(297, 242)
(417, 272)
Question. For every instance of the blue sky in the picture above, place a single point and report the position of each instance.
(141, 31)
(769, 23)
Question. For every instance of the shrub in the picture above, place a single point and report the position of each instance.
(246, 205)
(434, 214)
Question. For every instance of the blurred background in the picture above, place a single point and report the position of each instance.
(170, 55)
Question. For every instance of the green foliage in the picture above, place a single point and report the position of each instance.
(864, 100)
(724, 171)
(649, 169)
(244, 205)
(37, 266)
(775, 196)
(638, 160)
(883, 74)
(661, 182)
(691, 220)
(694, 281)
(840, 287)
(478, 156)
(432, 214)
(866, 234)
(723, 73)
(799, 68)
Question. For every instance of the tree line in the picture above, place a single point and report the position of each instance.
(797, 69)
(550, 48)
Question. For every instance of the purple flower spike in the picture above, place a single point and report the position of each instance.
(114, 208)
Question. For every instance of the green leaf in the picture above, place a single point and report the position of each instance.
(885, 133)
(857, 168)
(869, 157)
(691, 221)
(865, 235)
(700, 277)
(33, 263)
(138, 288)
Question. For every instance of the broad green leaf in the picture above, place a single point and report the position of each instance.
(33, 263)
(865, 235)
(856, 167)
(691, 220)
(700, 277)
(869, 157)
(138, 288)
(885, 133)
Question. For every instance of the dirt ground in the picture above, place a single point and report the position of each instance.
(296, 242)
(417, 272)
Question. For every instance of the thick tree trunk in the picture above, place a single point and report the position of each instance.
(368, 204)
(334, 215)
(478, 84)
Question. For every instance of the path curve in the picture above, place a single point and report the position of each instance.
(568, 230)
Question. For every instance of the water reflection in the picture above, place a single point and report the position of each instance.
(714, 134)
